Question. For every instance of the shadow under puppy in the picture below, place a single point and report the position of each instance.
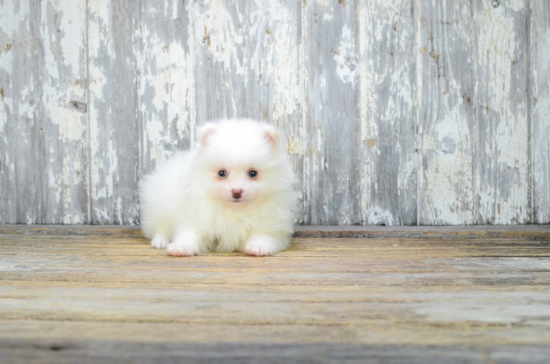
(231, 193)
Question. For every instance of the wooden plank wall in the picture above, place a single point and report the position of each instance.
(398, 113)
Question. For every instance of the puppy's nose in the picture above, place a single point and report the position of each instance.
(237, 193)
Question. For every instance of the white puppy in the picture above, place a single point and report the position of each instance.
(233, 193)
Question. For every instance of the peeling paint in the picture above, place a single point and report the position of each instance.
(71, 126)
(113, 110)
(284, 70)
(346, 59)
(169, 83)
(293, 146)
(19, 154)
(540, 103)
(221, 36)
(346, 104)
(12, 12)
(3, 115)
(378, 216)
(446, 121)
(387, 161)
(167, 96)
(63, 100)
(516, 5)
(505, 136)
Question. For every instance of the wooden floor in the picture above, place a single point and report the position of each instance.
(107, 299)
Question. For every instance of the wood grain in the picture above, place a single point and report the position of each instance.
(66, 299)
(502, 152)
(384, 160)
(540, 105)
(446, 123)
(63, 108)
(395, 113)
(332, 109)
(167, 85)
(20, 123)
(213, 344)
(114, 119)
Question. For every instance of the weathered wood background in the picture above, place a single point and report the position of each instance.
(397, 112)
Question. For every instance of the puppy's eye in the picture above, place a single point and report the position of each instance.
(222, 173)
(252, 173)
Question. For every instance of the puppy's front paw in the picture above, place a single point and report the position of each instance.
(185, 244)
(181, 250)
(260, 246)
(160, 241)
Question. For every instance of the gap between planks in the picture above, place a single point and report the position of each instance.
(372, 232)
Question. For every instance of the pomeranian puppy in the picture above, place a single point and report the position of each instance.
(233, 192)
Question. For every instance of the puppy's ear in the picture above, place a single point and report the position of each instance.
(204, 132)
(271, 135)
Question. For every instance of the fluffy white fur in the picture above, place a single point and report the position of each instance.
(187, 208)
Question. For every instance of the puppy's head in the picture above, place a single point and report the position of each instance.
(240, 160)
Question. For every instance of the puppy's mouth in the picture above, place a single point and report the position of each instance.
(238, 201)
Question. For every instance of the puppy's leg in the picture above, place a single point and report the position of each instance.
(160, 241)
(185, 244)
(261, 245)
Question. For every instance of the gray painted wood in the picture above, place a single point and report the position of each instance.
(332, 91)
(384, 162)
(502, 150)
(114, 122)
(540, 106)
(248, 65)
(63, 107)
(166, 88)
(396, 113)
(446, 122)
(20, 124)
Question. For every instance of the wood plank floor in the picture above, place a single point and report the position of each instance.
(108, 299)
